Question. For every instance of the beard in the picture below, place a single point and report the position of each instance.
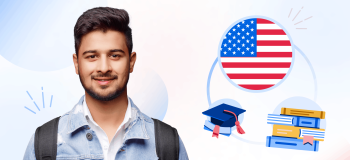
(94, 94)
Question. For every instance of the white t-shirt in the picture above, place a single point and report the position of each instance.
(109, 149)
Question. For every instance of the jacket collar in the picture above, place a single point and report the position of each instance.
(136, 129)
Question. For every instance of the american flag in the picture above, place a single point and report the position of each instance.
(256, 54)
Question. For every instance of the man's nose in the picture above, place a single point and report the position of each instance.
(104, 65)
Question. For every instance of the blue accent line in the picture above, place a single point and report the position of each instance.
(280, 124)
(36, 105)
(319, 137)
(43, 100)
(312, 133)
(286, 124)
(42, 88)
(316, 137)
(29, 95)
(208, 82)
(306, 122)
(284, 143)
(316, 146)
(29, 109)
(298, 120)
(268, 140)
(51, 100)
(317, 123)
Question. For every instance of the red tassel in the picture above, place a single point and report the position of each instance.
(239, 128)
(216, 131)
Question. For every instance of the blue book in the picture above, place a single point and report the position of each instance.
(290, 143)
(293, 121)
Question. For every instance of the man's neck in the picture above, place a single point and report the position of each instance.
(108, 114)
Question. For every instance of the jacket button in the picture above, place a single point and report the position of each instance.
(89, 136)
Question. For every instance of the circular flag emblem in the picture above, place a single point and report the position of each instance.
(256, 54)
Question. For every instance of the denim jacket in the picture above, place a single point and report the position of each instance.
(72, 142)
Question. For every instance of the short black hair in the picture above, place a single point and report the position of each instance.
(102, 18)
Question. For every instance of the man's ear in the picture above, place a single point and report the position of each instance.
(75, 61)
(132, 61)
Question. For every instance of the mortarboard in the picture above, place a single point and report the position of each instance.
(223, 118)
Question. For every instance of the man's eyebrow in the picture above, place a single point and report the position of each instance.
(89, 51)
(112, 50)
(117, 50)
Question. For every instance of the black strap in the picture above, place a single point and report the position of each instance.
(167, 141)
(45, 142)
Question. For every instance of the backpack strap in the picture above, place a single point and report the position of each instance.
(167, 141)
(45, 142)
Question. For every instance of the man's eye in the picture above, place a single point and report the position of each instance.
(92, 56)
(115, 55)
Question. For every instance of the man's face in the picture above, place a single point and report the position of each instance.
(104, 64)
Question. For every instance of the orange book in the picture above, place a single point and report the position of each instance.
(303, 113)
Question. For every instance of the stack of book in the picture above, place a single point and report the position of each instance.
(296, 129)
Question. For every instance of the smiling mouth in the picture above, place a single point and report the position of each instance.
(103, 81)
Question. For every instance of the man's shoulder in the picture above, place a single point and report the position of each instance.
(152, 121)
(145, 117)
(63, 121)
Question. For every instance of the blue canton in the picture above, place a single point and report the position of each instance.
(240, 40)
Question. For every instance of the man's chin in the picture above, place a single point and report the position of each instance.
(104, 96)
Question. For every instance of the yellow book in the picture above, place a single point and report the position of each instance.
(303, 112)
(298, 132)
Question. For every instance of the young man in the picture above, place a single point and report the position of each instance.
(105, 124)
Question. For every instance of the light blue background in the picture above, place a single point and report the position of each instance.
(38, 34)
(179, 41)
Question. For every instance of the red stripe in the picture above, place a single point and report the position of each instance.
(274, 54)
(255, 76)
(256, 64)
(270, 32)
(263, 21)
(273, 43)
(256, 87)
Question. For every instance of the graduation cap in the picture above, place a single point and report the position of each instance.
(223, 118)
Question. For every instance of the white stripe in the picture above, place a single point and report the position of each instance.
(272, 37)
(256, 70)
(268, 26)
(315, 136)
(256, 81)
(288, 120)
(279, 122)
(280, 118)
(274, 48)
(312, 131)
(253, 59)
